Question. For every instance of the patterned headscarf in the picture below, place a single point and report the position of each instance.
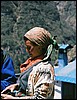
(39, 36)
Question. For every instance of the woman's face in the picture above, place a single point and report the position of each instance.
(33, 50)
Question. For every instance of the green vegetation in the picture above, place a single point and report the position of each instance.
(17, 17)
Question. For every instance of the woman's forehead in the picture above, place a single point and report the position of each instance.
(28, 42)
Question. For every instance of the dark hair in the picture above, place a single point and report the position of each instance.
(25, 39)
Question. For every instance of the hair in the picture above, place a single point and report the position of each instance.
(25, 39)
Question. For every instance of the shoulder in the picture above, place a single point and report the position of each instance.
(44, 66)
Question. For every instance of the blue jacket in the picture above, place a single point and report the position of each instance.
(7, 73)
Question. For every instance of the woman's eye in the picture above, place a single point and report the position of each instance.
(28, 47)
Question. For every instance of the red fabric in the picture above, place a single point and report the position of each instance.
(29, 62)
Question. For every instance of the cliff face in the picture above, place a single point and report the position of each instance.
(72, 54)
(17, 17)
(67, 11)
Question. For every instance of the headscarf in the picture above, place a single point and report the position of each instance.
(41, 37)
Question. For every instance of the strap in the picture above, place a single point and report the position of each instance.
(23, 79)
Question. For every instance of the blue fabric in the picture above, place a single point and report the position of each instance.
(63, 46)
(7, 73)
(67, 73)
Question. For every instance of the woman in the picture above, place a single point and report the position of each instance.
(37, 73)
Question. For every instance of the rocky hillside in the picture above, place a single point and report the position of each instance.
(67, 11)
(17, 17)
(72, 54)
